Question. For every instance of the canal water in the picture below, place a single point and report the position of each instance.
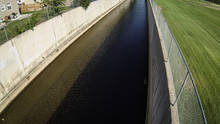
(99, 77)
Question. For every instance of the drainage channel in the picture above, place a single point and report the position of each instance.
(100, 76)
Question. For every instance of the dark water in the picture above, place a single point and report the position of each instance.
(100, 77)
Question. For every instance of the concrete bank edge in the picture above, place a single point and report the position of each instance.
(174, 109)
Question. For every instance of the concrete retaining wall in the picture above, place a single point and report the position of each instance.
(23, 57)
(158, 94)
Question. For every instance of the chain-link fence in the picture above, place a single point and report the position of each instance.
(190, 110)
(16, 27)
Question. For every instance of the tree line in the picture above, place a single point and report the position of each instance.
(58, 5)
(215, 1)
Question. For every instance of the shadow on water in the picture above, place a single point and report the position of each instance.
(100, 76)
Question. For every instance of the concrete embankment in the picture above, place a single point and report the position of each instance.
(25, 56)
(158, 91)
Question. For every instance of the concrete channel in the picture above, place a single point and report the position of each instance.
(100, 76)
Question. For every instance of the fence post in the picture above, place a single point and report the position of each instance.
(6, 33)
(169, 47)
(47, 13)
(183, 84)
(29, 22)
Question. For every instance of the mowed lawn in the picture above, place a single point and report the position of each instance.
(196, 26)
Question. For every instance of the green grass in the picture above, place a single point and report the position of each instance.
(196, 26)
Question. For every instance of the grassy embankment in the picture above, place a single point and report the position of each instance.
(19, 26)
(196, 26)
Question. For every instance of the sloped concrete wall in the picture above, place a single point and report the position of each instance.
(22, 55)
(31, 44)
(10, 67)
(158, 110)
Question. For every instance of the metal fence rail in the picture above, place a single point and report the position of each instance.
(187, 99)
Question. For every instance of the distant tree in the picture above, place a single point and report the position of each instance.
(75, 3)
(217, 1)
(214, 1)
(56, 5)
(85, 3)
